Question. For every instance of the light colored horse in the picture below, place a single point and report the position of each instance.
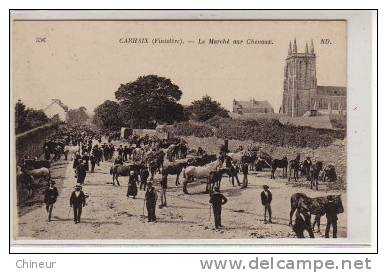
(72, 150)
(237, 157)
(201, 172)
(41, 173)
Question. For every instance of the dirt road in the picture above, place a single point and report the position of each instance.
(109, 214)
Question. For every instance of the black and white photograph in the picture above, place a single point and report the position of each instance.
(179, 130)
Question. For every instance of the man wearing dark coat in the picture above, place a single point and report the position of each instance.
(307, 164)
(50, 196)
(151, 200)
(132, 185)
(93, 160)
(125, 153)
(144, 174)
(245, 172)
(331, 214)
(234, 174)
(77, 202)
(217, 200)
(77, 160)
(85, 159)
(81, 172)
(266, 198)
(302, 223)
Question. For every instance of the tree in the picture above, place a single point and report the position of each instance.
(77, 116)
(206, 108)
(28, 118)
(149, 99)
(106, 115)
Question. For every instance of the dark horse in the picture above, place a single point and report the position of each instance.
(279, 163)
(175, 168)
(120, 170)
(215, 178)
(315, 205)
(315, 170)
(295, 166)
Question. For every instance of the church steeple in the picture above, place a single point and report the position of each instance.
(311, 47)
(290, 48)
(295, 46)
(306, 49)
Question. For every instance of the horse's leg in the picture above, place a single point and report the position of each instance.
(177, 179)
(290, 174)
(291, 215)
(185, 187)
(118, 182)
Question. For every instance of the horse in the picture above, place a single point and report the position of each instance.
(41, 173)
(279, 163)
(175, 168)
(315, 170)
(295, 166)
(172, 152)
(121, 170)
(198, 172)
(36, 164)
(249, 157)
(315, 205)
(216, 177)
(263, 160)
(24, 181)
(155, 161)
(72, 150)
(236, 157)
(201, 160)
(329, 173)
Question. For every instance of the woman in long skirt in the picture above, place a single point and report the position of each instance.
(132, 185)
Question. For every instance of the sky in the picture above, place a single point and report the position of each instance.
(83, 63)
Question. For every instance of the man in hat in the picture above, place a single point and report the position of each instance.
(266, 198)
(50, 196)
(77, 202)
(163, 189)
(81, 172)
(217, 200)
(307, 164)
(234, 173)
(245, 171)
(144, 174)
(118, 161)
(151, 199)
(331, 214)
(125, 153)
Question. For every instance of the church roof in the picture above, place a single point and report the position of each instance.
(331, 90)
(253, 104)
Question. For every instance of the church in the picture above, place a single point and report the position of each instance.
(301, 94)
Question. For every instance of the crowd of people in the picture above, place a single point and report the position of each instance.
(92, 152)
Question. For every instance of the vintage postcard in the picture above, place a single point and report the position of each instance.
(180, 130)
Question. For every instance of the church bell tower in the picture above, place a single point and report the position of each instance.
(300, 81)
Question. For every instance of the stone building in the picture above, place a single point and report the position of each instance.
(301, 94)
(252, 107)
